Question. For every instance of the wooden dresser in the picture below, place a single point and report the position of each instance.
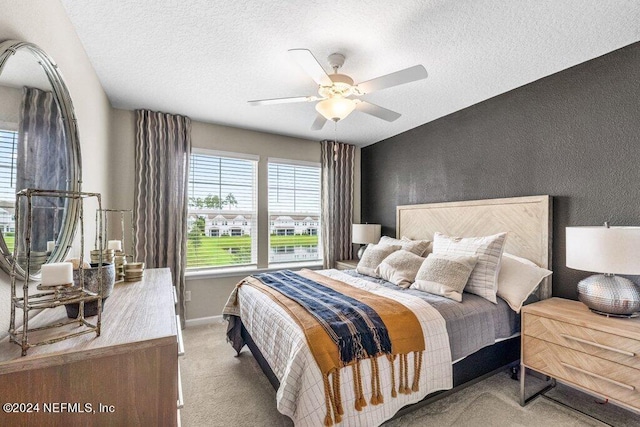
(601, 355)
(128, 375)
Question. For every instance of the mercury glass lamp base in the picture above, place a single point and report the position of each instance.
(610, 295)
(623, 316)
(361, 251)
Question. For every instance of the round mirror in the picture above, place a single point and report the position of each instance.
(39, 149)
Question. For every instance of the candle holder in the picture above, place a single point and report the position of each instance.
(120, 260)
(133, 271)
(120, 250)
(51, 293)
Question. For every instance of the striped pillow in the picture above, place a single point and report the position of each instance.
(484, 277)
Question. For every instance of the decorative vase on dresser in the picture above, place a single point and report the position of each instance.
(129, 375)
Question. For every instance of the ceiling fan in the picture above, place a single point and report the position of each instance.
(337, 93)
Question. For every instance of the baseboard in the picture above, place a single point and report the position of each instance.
(203, 321)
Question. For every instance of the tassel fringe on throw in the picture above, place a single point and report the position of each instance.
(333, 396)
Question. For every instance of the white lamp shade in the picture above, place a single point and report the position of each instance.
(614, 250)
(336, 108)
(365, 233)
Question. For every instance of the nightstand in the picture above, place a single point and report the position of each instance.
(597, 354)
(347, 264)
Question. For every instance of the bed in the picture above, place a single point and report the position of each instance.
(463, 341)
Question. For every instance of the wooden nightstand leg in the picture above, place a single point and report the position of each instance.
(523, 399)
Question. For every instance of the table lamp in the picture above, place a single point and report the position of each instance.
(610, 251)
(364, 234)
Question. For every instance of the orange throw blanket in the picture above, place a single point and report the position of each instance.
(404, 331)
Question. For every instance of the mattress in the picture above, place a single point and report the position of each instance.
(472, 324)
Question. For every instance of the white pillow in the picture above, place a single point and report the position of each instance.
(372, 257)
(400, 268)
(445, 275)
(518, 278)
(484, 277)
(418, 247)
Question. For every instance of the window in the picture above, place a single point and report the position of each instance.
(222, 190)
(8, 144)
(294, 202)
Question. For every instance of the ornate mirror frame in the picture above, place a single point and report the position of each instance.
(61, 93)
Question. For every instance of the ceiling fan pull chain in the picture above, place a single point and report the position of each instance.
(335, 140)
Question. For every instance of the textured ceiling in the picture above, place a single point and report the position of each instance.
(206, 59)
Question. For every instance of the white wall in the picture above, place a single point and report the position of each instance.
(107, 136)
(209, 295)
(11, 99)
(45, 23)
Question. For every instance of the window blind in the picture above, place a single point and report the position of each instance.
(222, 215)
(294, 212)
(8, 144)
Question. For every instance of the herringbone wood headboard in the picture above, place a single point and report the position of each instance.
(528, 220)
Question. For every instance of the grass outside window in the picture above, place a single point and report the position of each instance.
(9, 238)
(235, 250)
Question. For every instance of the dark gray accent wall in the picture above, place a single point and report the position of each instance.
(574, 135)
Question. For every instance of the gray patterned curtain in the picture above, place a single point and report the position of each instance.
(163, 148)
(42, 162)
(337, 200)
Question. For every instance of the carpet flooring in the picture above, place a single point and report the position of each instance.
(223, 390)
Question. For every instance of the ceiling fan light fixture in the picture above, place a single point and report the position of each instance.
(336, 108)
(338, 93)
(342, 86)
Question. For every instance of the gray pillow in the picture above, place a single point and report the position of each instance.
(484, 277)
(445, 275)
(400, 268)
(373, 256)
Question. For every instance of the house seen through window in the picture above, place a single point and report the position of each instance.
(222, 211)
(294, 212)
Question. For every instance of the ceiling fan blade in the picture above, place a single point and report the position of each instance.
(319, 122)
(311, 66)
(376, 111)
(284, 100)
(407, 75)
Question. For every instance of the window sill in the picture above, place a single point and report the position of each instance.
(249, 270)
